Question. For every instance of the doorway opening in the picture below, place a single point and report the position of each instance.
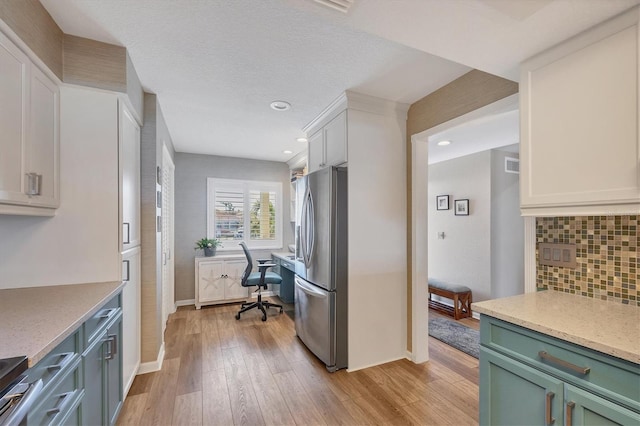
(455, 247)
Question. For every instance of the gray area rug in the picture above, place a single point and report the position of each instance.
(453, 334)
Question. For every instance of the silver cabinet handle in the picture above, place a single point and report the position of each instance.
(570, 406)
(549, 420)
(34, 184)
(128, 239)
(108, 313)
(112, 350)
(67, 357)
(63, 399)
(128, 271)
(562, 363)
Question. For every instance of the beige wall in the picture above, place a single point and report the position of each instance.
(465, 94)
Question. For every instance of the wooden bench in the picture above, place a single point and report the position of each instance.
(460, 295)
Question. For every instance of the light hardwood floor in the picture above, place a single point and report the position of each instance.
(219, 371)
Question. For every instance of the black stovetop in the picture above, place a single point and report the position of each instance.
(10, 369)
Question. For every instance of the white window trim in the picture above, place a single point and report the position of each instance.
(246, 185)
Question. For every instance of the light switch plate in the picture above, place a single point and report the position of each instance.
(563, 255)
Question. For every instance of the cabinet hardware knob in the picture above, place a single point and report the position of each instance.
(562, 363)
(549, 420)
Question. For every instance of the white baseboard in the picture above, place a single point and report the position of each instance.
(362, 367)
(150, 367)
(127, 385)
(186, 302)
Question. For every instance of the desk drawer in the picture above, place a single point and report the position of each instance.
(57, 404)
(612, 378)
(56, 363)
(93, 325)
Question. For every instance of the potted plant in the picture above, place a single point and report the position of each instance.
(209, 246)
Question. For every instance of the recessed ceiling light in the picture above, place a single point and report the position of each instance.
(301, 140)
(444, 143)
(280, 105)
(287, 152)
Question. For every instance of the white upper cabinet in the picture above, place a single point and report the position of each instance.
(29, 125)
(580, 150)
(129, 142)
(328, 146)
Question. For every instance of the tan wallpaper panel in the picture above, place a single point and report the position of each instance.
(33, 24)
(473, 90)
(95, 64)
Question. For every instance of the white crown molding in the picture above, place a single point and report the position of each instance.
(356, 101)
(298, 161)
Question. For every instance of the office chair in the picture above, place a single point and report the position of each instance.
(260, 279)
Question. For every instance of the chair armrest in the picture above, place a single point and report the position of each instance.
(266, 265)
(263, 260)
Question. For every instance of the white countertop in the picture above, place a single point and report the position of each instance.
(34, 320)
(608, 327)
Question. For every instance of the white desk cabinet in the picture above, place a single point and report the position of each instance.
(29, 125)
(218, 279)
(580, 151)
(328, 146)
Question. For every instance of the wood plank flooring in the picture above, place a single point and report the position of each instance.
(219, 371)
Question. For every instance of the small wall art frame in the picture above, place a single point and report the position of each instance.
(461, 207)
(442, 202)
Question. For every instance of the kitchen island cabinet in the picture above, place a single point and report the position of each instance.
(541, 365)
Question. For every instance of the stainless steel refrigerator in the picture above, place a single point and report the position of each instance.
(321, 286)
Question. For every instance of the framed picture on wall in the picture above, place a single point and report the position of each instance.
(442, 202)
(461, 207)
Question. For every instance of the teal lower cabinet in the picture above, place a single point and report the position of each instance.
(584, 408)
(103, 375)
(515, 394)
(529, 378)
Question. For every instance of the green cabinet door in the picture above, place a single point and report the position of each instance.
(584, 408)
(512, 393)
(93, 363)
(113, 371)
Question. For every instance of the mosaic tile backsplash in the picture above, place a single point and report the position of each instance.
(607, 256)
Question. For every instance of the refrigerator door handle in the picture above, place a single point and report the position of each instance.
(312, 234)
(308, 289)
(303, 229)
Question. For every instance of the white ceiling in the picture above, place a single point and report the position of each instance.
(489, 132)
(217, 64)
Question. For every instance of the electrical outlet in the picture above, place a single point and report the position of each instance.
(552, 254)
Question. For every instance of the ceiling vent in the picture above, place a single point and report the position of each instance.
(511, 165)
(341, 5)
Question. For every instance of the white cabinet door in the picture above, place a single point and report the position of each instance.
(579, 124)
(129, 135)
(14, 81)
(233, 275)
(335, 139)
(43, 138)
(211, 282)
(316, 151)
(131, 305)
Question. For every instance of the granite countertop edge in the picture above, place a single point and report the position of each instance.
(560, 323)
(41, 345)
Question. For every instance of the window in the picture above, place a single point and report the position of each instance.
(240, 210)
